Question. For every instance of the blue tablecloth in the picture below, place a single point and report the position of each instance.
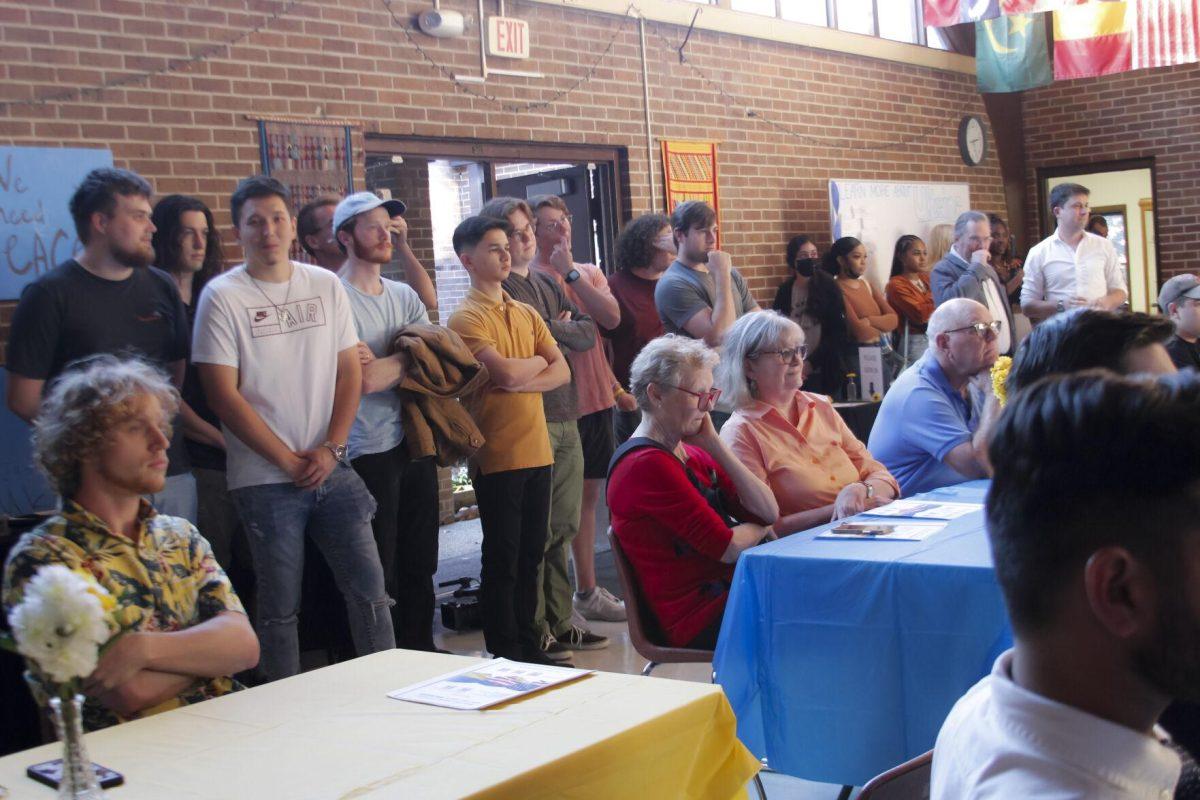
(842, 658)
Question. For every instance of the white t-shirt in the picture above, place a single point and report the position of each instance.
(377, 317)
(285, 354)
(1003, 741)
(1056, 271)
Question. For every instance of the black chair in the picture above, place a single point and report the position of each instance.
(908, 781)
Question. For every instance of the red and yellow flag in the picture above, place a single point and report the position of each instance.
(1092, 39)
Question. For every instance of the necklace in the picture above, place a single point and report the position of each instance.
(281, 312)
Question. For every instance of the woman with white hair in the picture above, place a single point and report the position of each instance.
(682, 506)
(794, 441)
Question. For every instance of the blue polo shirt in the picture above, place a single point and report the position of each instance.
(922, 418)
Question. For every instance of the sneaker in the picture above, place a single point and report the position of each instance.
(600, 605)
(581, 639)
(555, 650)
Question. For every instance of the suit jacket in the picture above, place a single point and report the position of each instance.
(953, 277)
(441, 369)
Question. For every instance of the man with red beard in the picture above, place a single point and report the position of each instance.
(406, 522)
(107, 300)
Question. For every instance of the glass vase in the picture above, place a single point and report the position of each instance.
(78, 780)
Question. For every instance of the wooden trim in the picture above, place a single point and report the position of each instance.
(1045, 174)
(490, 149)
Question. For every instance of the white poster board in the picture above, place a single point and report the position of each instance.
(880, 212)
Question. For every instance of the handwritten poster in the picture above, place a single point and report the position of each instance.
(36, 231)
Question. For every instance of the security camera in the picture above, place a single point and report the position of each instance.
(441, 23)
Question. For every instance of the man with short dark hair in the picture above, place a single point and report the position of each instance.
(1179, 299)
(1085, 338)
(700, 295)
(1071, 268)
(108, 300)
(406, 519)
(1092, 517)
(966, 271)
(512, 471)
(314, 228)
(278, 357)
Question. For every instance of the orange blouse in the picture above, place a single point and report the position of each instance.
(914, 304)
(806, 455)
(868, 314)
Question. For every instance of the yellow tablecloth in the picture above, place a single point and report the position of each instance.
(333, 733)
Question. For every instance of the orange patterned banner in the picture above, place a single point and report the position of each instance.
(690, 173)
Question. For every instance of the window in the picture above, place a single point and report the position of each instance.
(935, 39)
(811, 12)
(764, 7)
(897, 21)
(856, 16)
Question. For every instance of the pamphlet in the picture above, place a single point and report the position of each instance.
(893, 531)
(924, 509)
(487, 684)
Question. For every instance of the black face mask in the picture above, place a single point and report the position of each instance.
(806, 266)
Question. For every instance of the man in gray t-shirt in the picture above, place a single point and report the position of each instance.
(701, 294)
(406, 520)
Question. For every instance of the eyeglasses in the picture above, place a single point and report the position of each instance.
(706, 400)
(524, 234)
(981, 329)
(560, 223)
(787, 356)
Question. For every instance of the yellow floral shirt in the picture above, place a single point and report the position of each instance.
(167, 581)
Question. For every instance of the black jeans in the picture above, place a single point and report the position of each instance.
(406, 532)
(514, 510)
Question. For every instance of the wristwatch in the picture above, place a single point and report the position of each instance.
(870, 489)
(572, 276)
(338, 450)
(1059, 305)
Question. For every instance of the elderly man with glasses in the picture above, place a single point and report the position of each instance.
(932, 427)
(966, 271)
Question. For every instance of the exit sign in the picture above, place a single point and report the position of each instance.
(508, 37)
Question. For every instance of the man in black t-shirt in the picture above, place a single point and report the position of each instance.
(1179, 300)
(108, 300)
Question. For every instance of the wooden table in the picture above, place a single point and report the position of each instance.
(333, 733)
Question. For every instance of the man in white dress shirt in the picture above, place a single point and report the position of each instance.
(1071, 268)
(1094, 522)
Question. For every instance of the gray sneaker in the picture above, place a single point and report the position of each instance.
(581, 639)
(600, 605)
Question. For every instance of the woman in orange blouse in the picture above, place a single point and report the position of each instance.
(794, 441)
(908, 292)
(869, 318)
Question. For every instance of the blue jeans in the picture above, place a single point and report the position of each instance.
(178, 498)
(337, 515)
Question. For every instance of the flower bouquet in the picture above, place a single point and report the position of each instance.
(1000, 379)
(60, 627)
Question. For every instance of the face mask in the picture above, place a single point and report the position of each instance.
(805, 266)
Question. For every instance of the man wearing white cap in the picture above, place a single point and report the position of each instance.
(1179, 300)
(406, 520)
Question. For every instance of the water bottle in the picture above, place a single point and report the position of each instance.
(851, 387)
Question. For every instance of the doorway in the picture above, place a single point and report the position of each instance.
(1124, 193)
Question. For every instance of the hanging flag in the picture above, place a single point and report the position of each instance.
(1093, 39)
(1011, 53)
(940, 13)
(1165, 32)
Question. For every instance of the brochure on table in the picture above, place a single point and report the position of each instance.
(924, 509)
(890, 531)
(483, 685)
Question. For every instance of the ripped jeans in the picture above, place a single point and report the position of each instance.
(337, 515)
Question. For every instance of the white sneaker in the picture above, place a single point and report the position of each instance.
(600, 605)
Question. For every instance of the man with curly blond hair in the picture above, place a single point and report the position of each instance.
(101, 436)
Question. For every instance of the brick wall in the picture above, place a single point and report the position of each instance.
(187, 131)
(1149, 113)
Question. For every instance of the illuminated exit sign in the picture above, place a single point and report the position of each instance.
(508, 37)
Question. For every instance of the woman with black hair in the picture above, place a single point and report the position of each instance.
(812, 299)
(868, 316)
(1004, 259)
(908, 292)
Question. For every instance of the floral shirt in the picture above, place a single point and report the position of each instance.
(168, 580)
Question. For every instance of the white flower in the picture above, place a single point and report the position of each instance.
(60, 623)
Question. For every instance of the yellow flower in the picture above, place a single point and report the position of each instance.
(1000, 378)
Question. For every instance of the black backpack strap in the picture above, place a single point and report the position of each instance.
(631, 444)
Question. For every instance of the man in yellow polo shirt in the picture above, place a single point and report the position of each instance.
(512, 471)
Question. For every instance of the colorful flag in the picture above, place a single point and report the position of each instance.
(1093, 39)
(940, 13)
(1011, 53)
(1165, 32)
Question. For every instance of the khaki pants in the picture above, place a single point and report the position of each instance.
(566, 497)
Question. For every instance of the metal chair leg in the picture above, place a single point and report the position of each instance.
(845, 793)
(758, 787)
(646, 670)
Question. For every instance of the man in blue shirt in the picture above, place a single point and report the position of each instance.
(932, 426)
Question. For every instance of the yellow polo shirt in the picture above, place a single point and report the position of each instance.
(514, 423)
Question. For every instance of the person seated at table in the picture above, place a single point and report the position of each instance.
(101, 436)
(793, 441)
(813, 299)
(932, 428)
(683, 506)
(1088, 338)
(1098, 567)
(908, 292)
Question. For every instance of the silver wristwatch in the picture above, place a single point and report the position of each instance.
(338, 450)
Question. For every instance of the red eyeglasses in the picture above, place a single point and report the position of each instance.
(705, 400)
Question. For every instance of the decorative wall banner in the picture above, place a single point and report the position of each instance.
(36, 231)
(311, 158)
(690, 173)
